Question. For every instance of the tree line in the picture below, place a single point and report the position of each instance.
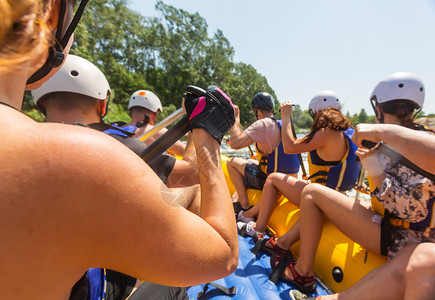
(162, 54)
(165, 54)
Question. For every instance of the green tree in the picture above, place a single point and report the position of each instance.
(161, 54)
(362, 116)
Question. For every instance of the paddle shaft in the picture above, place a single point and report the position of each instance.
(164, 123)
(166, 140)
(396, 156)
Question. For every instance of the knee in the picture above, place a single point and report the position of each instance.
(422, 261)
(230, 162)
(271, 179)
(310, 191)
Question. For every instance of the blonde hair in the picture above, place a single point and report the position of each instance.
(24, 33)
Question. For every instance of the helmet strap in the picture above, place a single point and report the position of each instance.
(311, 113)
(144, 122)
(378, 111)
(55, 55)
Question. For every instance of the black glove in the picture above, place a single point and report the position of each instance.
(211, 110)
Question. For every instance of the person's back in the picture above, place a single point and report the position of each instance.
(265, 132)
(331, 152)
(54, 177)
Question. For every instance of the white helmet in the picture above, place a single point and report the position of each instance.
(399, 86)
(145, 99)
(77, 75)
(323, 100)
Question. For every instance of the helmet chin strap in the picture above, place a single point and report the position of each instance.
(55, 55)
(379, 114)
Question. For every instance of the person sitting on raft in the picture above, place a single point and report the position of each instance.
(79, 94)
(266, 134)
(331, 159)
(63, 186)
(406, 197)
(144, 107)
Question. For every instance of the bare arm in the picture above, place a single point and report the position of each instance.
(417, 146)
(127, 225)
(290, 143)
(239, 139)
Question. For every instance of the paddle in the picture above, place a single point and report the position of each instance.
(164, 123)
(359, 187)
(396, 156)
(172, 135)
(166, 140)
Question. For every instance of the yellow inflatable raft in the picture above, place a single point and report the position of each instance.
(339, 263)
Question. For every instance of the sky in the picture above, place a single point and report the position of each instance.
(304, 47)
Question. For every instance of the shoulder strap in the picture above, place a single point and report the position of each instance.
(103, 127)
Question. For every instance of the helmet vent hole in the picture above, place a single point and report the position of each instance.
(421, 89)
(74, 73)
(401, 85)
(324, 99)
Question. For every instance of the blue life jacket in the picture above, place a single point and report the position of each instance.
(341, 177)
(122, 131)
(97, 284)
(278, 161)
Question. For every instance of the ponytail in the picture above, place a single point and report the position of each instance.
(328, 118)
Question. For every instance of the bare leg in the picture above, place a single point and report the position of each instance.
(195, 195)
(276, 183)
(236, 170)
(409, 275)
(183, 174)
(344, 212)
(420, 273)
(290, 237)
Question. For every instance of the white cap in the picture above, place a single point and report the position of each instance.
(400, 86)
(77, 75)
(323, 100)
(145, 99)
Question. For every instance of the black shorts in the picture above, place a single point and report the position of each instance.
(162, 165)
(254, 178)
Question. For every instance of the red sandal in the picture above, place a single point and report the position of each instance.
(271, 247)
(278, 264)
(306, 284)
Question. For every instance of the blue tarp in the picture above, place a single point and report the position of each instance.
(251, 279)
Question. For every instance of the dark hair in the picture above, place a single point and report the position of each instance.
(66, 101)
(327, 118)
(403, 110)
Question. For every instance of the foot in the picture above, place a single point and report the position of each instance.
(297, 295)
(242, 218)
(248, 229)
(272, 248)
(304, 283)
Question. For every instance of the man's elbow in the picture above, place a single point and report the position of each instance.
(231, 263)
(236, 145)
